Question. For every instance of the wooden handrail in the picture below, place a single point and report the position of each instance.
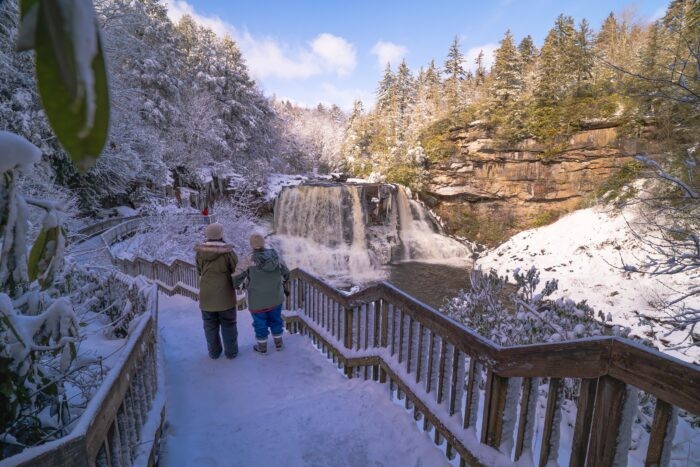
(109, 432)
(436, 365)
(652, 371)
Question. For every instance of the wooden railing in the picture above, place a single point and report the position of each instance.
(179, 277)
(436, 366)
(124, 415)
(98, 227)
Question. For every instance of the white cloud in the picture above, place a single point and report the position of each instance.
(388, 52)
(267, 56)
(471, 54)
(179, 8)
(336, 52)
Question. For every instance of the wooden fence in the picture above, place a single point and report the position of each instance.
(179, 277)
(436, 366)
(124, 415)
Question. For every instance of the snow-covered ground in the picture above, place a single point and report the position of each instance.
(276, 182)
(585, 251)
(288, 408)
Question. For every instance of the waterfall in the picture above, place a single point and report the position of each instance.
(339, 232)
(419, 237)
(322, 229)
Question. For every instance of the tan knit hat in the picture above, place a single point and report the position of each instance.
(257, 241)
(214, 231)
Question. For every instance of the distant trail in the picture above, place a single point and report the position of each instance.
(91, 252)
(289, 408)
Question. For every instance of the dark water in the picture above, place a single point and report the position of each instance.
(428, 282)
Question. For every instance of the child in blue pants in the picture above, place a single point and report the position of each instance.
(265, 280)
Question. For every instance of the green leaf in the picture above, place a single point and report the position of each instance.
(63, 92)
(35, 255)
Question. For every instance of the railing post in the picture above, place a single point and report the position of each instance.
(662, 428)
(607, 417)
(494, 406)
(526, 420)
(582, 427)
(549, 443)
(347, 337)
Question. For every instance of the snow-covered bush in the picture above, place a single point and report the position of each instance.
(48, 366)
(523, 313)
(170, 235)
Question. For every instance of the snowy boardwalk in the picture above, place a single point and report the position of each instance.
(290, 408)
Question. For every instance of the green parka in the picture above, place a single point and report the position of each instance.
(265, 278)
(216, 263)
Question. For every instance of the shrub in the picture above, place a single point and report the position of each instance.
(436, 140)
(545, 218)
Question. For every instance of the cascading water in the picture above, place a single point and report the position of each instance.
(419, 239)
(348, 235)
(322, 229)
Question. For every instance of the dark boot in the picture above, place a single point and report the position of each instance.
(278, 341)
(261, 347)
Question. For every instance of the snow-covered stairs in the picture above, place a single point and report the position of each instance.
(289, 408)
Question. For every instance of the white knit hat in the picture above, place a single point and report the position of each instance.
(214, 231)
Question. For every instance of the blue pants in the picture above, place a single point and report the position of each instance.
(268, 319)
(224, 322)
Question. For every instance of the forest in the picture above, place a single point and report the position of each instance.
(554, 188)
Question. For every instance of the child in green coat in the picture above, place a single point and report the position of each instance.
(265, 279)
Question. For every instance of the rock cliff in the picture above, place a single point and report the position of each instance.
(491, 189)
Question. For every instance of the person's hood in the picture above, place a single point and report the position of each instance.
(211, 250)
(266, 259)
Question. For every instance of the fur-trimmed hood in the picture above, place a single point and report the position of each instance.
(210, 250)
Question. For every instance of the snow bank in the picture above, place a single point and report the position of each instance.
(276, 182)
(16, 152)
(585, 251)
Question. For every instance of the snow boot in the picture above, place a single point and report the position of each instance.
(278, 341)
(261, 347)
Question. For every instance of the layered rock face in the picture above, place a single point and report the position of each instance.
(491, 189)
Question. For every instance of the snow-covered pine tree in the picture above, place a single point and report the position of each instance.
(557, 69)
(454, 77)
(528, 51)
(480, 72)
(405, 92)
(386, 100)
(507, 72)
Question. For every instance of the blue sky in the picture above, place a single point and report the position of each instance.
(330, 51)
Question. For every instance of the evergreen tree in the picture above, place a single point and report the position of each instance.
(432, 92)
(582, 58)
(454, 76)
(507, 72)
(357, 139)
(385, 91)
(528, 51)
(606, 46)
(557, 71)
(480, 73)
(405, 99)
